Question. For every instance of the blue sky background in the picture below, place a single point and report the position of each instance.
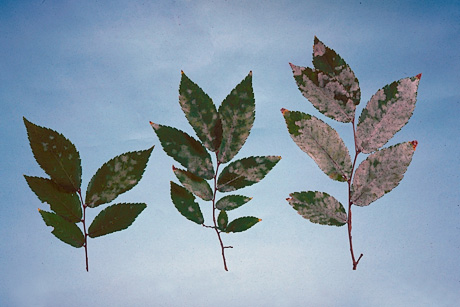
(99, 71)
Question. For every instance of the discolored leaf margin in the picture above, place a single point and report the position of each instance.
(245, 172)
(194, 184)
(242, 223)
(381, 172)
(222, 220)
(185, 203)
(186, 150)
(56, 155)
(231, 202)
(386, 113)
(116, 176)
(201, 113)
(318, 207)
(321, 142)
(65, 204)
(115, 218)
(64, 230)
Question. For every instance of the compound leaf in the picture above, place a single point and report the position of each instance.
(64, 230)
(184, 201)
(237, 113)
(381, 172)
(222, 220)
(231, 202)
(321, 142)
(386, 113)
(201, 113)
(115, 218)
(318, 207)
(186, 150)
(116, 176)
(245, 172)
(242, 223)
(56, 155)
(64, 203)
(194, 184)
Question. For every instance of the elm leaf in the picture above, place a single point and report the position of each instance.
(242, 223)
(194, 184)
(184, 201)
(245, 172)
(381, 172)
(386, 113)
(115, 218)
(222, 220)
(56, 155)
(116, 176)
(65, 204)
(64, 230)
(321, 142)
(318, 207)
(231, 202)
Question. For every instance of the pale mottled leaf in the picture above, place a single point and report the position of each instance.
(201, 113)
(64, 230)
(66, 204)
(242, 223)
(186, 150)
(194, 184)
(319, 207)
(222, 220)
(245, 172)
(116, 176)
(185, 203)
(56, 155)
(237, 113)
(381, 172)
(321, 142)
(231, 202)
(386, 113)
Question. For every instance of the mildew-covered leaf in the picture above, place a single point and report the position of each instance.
(231, 202)
(115, 218)
(66, 204)
(186, 150)
(222, 220)
(237, 113)
(184, 201)
(64, 230)
(386, 113)
(56, 155)
(194, 184)
(245, 172)
(381, 172)
(318, 207)
(321, 142)
(116, 176)
(201, 113)
(242, 223)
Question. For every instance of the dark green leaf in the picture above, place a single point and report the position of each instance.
(194, 184)
(65, 204)
(184, 201)
(56, 155)
(116, 176)
(64, 230)
(242, 224)
(201, 113)
(231, 202)
(222, 220)
(237, 113)
(185, 150)
(245, 172)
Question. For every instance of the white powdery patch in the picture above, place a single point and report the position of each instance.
(190, 209)
(319, 49)
(45, 146)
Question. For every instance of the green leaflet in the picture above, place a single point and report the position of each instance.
(56, 155)
(318, 207)
(184, 201)
(194, 184)
(245, 172)
(321, 142)
(65, 204)
(242, 223)
(237, 113)
(222, 220)
(201, 113)
(386, 113)
(115, 218)
(231, 202)
(63, 230)
(381, 172)
(185, 150)
(116, 176)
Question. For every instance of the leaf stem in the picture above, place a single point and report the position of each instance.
(84, 228)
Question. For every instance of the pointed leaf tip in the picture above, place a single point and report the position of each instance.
(419, 76)
(414, 144)
(182, 72)
(283, 110)
(250, 73)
